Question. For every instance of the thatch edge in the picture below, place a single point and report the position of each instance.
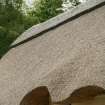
(39, 29)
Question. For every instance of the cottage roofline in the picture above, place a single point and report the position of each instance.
(37, 30)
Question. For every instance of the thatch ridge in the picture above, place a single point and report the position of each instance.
(38, 30)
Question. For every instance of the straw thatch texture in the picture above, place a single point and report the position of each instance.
(64, 59)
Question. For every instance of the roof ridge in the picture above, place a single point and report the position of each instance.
(39, 29)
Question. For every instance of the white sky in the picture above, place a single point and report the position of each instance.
(29, 2)
(82, 0)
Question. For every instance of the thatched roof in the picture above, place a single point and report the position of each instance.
(68, 57)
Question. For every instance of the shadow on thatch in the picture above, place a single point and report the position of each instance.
(86, 93)
(41, 96)
(38, 96)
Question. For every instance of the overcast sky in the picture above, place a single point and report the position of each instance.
(29, 2)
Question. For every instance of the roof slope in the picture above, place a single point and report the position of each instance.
(63, 59)
(37, 30)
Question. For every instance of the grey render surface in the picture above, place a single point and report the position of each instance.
(64, 59)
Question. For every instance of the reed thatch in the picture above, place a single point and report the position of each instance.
(67, 59)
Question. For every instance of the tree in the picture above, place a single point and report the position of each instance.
(68, 4)
(75, 2)
(11, 23)
(45, 9)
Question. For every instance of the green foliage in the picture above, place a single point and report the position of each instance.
(75, 2)
(6, 38)
(11, 23)
(46, 9)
